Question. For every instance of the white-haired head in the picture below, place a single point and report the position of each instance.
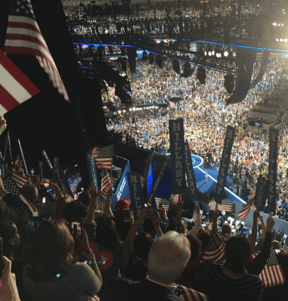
(168, 256)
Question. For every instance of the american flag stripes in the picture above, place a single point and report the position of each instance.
(225, 206)
(215, 250)
(103, 156)
(94, 298)
(23, 36)
(188, 294)
(30, 205)
(285, 247)
(19, 180)
(15, 86)
(157, 201)
(105, 185)
(245, 210)
(272, 274)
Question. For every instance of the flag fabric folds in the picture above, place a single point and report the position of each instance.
(105, 185)
(215, 250)
(29, 203)
(225, 206)
(272, 274)
(243, 213)
(15, 86)
(103, 156)
(157, 201)
(19, 180)
(23, 36)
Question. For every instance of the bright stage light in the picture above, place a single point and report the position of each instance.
(226, 53)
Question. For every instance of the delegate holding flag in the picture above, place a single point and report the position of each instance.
(103, 156)
(15, 86)
(23, 36)
(225, 206)
(215, 250)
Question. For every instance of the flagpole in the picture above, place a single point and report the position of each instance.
(10, 149)
(24, 162)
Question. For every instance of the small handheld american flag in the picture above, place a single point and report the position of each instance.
(215, 250)
(105, 185)
(225, 206)
(103, 156)
(243, 213)
(272, 274)
(285, 247)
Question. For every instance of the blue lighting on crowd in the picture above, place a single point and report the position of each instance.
(242, 46)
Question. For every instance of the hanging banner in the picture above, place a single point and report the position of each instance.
(159, 178)
(92, 170)
(193, 191)
(225, 160)
(136, 193)
(41, 169)
(177, 156)
(47, 159)
(261, 194)
(272, 176)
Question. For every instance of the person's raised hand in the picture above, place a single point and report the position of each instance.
(197, 208)
(145, 210)
(53, 187)
(8, 279)
(261, 217)
(215, 215)
(156, 221)
(93, 192)
(109, 193)
(256, 214)
(270, 223)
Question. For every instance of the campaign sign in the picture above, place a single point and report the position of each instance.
(225, 160)
(136, 193)
(108, 262)
(193, 191)
(272, 175)
(176, 131)
(92, 170)
(261, 193)
(157, 181)
(64, 181)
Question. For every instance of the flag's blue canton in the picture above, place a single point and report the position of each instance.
(272, 259)
(23, 8)
(215, 243)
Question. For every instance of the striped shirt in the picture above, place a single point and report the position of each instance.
(219, 287)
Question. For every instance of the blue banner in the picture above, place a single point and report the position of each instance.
(41, 169)
(157, 181)
(136, 193)
(193, 191)
(47, 159)
(92, 171)
(56, 161)
(225, 160)
(62, 180)
(177, 155)
(261, 193)
(272, 176)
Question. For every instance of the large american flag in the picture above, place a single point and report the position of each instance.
(272, 274)
(23, 36)
(188, 294)
(225, 206)
(215, 250)
(105, 185)
(103, 156)
(15, 86)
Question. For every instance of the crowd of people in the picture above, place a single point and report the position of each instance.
(155, 256)
(205, 120)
